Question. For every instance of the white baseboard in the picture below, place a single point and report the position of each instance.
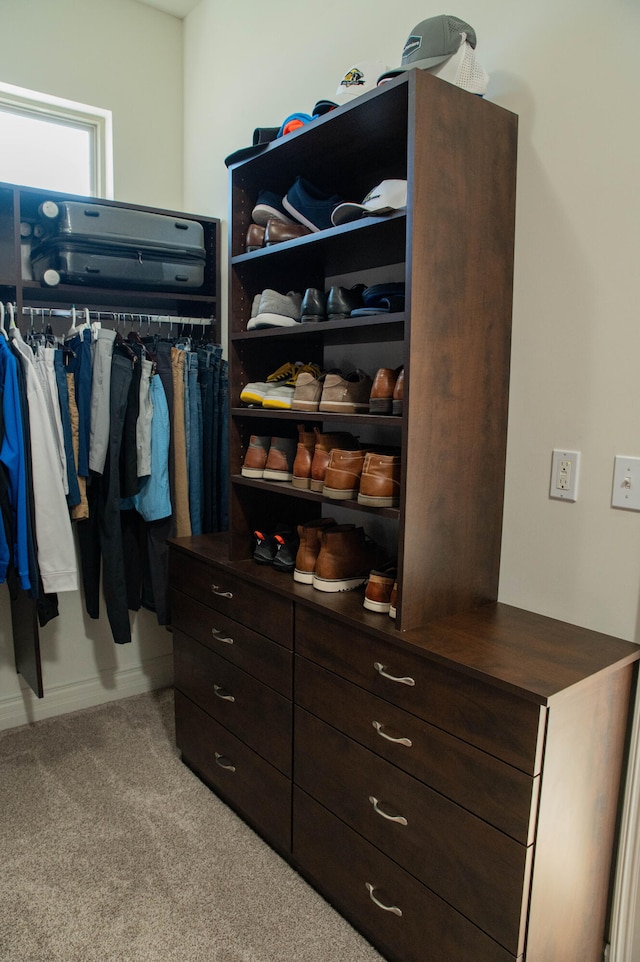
(25, 708)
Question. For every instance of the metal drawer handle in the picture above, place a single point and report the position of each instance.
(385, 908)
(217, 634)
(217, 590)
(224, 763)
(400, 819)
(401, 681)
(396, 741)
(221, 693)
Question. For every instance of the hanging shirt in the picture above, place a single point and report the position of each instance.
(56, 551)
(12, 456)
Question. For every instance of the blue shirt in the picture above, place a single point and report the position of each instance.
(12, 455)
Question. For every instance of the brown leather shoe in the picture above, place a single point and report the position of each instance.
(324, 444)
(384, 382)
(380, 481)
(345, 558)
(377, 595)
(255, 238)
(304, 457)
(398, 395)
(256, 457)
(342, 477)
(309, 548)
(279, 466)
(276, 232)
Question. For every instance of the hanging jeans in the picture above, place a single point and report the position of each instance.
(101, 534)
(80, 365)
(73, 498)
(195, 444)
(223, 447)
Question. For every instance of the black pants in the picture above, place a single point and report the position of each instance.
(101, 533)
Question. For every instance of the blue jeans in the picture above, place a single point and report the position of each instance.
(223, 448)
(193, 417)
(81, 367)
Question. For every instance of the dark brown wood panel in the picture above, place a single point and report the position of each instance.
(255, 654)
(221, 589)
(478, 870)
(498, 793)
(260, 793)
(578, 807)
(254, 713)
(495, 721)
(343, 865)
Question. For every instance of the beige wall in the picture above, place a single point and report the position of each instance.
(570, 73)
(125, 57)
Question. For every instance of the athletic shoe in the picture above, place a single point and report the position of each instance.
(269, 204)
(254, 391)
(310, 205)
(277, 310)
(280, 396)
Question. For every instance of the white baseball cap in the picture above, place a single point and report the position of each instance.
(359, 79)
(388, 196)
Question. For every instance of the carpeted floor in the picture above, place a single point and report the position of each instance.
(111, 850)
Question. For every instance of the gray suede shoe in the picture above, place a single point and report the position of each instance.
(277, 310)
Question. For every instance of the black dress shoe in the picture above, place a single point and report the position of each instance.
(342, 300)
(314, 305)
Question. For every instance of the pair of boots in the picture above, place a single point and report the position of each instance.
(333, 557)
(312, 456)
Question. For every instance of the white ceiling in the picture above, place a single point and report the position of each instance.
(178, 8)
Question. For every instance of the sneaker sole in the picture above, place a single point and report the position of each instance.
(338, 584)
(251, 397)
(304, 405)
(304, 577)
(271, 320)
(262, 212)
(300, 218)
(277, 404)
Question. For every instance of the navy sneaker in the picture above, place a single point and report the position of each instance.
(310, 205)
(269, 204)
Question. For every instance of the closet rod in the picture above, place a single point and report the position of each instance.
(115, 316)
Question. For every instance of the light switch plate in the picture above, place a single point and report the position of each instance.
(626, 483)
(565, 466)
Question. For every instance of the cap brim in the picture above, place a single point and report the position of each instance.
(344, 213)
(323, 107)
(244, 154)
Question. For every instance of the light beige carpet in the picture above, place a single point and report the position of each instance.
(111, 850)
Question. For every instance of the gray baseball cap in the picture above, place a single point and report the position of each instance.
(431, 42)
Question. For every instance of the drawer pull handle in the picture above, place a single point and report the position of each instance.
(400, 819)
(396, 741)
(217, 590)
(385, 908)
(217, 634)
(401, 681)
(224, 763)
(221, 693)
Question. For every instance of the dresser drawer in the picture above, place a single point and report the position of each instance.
(219, 588)
(247, 708)
(260, 793)
(478, 870)
(266, 660)
(489, 718)
(498, 793)
(406, 921)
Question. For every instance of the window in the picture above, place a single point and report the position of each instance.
(54, 144)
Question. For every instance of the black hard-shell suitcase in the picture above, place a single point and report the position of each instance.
(100, 224)
(59, 260)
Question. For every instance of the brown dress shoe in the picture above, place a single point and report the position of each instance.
(324, 444)
(345, 558)
(380, 481)
(304, 457)
(276, 232)
(342, 477)
(384, 382)
(309, 548)
(255, 238)
(398, 395)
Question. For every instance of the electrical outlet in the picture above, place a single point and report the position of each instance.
(564, 475)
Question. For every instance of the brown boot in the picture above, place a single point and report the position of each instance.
(345, 559)
(279, 466)
(255, 459)
(380, 481)
(309, 548)
(342, 477)
(304, 457)
(381, 397)
(377, 595)
(324, 444)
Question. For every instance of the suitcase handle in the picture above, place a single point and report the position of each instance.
(91, 212)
